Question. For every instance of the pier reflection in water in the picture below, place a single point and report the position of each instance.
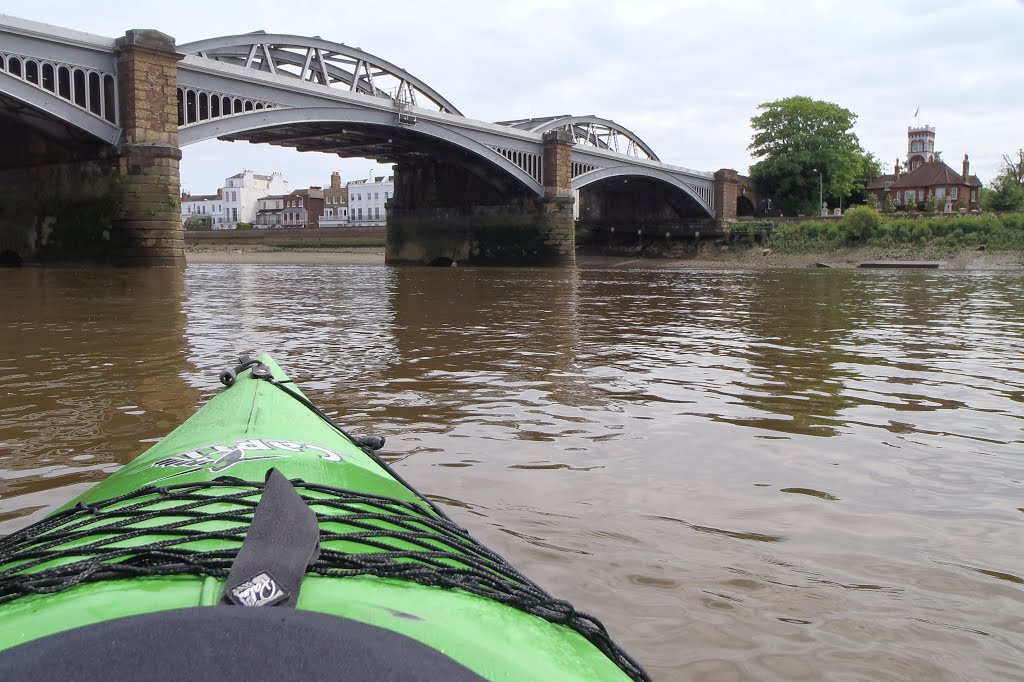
(746, 475)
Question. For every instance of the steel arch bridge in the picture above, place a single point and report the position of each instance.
(313, 95)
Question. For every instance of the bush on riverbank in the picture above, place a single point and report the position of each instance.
(865, 226)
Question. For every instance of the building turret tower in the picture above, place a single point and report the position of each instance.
(920, 146)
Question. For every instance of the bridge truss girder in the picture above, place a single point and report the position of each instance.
(53, 94)
(591, 131)
(314, 60)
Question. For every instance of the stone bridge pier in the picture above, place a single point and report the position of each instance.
(68, 197)
(443, 213)
(146, 220)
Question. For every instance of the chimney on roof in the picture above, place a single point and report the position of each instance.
(335, 180)
(897, 178)
(967, 169)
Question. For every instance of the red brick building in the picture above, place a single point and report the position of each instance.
(927, 178)
(303, 208)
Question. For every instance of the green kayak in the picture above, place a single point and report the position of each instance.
(259, 540)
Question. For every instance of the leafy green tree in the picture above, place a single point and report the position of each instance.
(870, 167)
(859, 224)
(795, 138)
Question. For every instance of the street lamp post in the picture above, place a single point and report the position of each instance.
(821, 191)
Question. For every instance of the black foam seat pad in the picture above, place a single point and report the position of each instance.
(229, 643)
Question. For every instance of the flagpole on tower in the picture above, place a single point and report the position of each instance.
(917, 117)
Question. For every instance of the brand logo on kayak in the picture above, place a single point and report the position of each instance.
(261, 590)
(221, 457)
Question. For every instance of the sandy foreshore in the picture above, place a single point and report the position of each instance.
(708, 259)
(260, 254)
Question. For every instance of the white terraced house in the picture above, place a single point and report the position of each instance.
(367, 200)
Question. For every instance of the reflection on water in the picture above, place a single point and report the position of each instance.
(747, 475)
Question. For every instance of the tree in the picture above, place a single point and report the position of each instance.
(1007, 191)
(796, 137)
(197, 223)
(1014, 168)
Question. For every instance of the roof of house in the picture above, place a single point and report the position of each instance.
(879, 181)
(201, 197)
(312, 193)
(255, 175)
(935, 173)
(376, 180)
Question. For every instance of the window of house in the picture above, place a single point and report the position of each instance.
(908, 197)
(376, 211)
(954, 192)
(360, 214)
(974, 195)
(376, 196)
(234, 215)
(940, 192)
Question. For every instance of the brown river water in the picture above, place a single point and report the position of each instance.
(770, 475)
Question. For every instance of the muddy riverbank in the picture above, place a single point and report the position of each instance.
(709, 258)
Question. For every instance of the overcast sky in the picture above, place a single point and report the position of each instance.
(686, 76)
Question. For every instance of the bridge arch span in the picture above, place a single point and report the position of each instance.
(701, 195)
(593, 131)
(247, 126)
(315, 60)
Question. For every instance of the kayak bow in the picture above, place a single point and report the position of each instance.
(260, 522)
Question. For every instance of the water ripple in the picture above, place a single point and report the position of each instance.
(622, 436)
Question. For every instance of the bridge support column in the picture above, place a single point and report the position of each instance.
(726, 193)
(557, 221)
(146, 224)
